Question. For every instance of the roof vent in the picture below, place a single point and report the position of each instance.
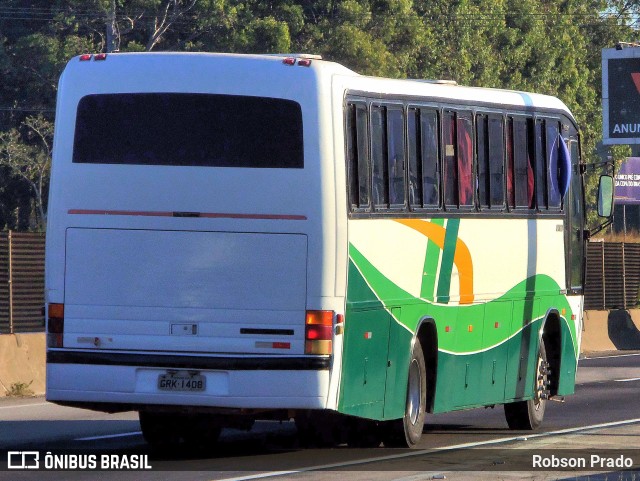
(438, 82)
(309, 56)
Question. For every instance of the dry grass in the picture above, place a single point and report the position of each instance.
(631, 236)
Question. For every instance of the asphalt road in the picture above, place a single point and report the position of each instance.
(607, 392)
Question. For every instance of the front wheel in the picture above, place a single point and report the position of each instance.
(406, 432)
(528, 415)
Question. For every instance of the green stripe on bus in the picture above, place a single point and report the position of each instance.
(430, 269)
(390, 295)
(446, 266)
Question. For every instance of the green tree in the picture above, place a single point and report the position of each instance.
(27, 154)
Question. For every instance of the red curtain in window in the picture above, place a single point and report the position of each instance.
(465, 161)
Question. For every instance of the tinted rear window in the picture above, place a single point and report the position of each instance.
(189, 130)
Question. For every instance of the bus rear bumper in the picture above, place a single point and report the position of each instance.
(113, 385)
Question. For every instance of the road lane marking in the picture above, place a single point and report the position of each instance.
(520, 437)
(608, 357)
(23, 405)
(628, 380)
(109, 436)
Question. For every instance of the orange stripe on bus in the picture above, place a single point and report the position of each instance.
(462, 256)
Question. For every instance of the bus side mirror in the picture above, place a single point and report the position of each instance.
(605, 196)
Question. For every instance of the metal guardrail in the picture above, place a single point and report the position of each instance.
(21, 282)
(612, 275)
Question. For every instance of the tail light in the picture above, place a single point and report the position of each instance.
(55, 326)
(319, 332)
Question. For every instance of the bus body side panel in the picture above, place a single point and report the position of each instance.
(489, 308)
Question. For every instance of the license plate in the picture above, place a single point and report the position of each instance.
(182, 381)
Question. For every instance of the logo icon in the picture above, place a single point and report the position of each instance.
(23, 460)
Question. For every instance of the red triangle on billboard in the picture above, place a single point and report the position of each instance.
(636, 80)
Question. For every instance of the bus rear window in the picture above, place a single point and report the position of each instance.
(189, 130)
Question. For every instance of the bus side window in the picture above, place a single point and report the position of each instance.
(484, 176)
(396, 156)
(430, 154)
(415, 162)
(380, 184)
(357, 140)
(496, 161)
(523, 171)
(552, 131)
(511, 199)
(541, 166)
(450, 164)
(465, 159)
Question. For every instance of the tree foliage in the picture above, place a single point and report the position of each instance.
(544, 46)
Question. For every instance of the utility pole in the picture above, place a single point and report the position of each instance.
(112, 28)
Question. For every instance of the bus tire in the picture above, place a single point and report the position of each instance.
(319, 429)
(160, 430)
(364, 433)
(201, 432)
(528, 415)
(406, 432)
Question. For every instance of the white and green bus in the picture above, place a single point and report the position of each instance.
(243, 237)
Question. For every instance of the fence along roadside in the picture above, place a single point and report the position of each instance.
(613, 275)
(21, 282)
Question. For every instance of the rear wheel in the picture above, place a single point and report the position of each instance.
(528, 415)
(320, 429)
(406, 432)
(160, 430)
(165, 431)
(201, 432)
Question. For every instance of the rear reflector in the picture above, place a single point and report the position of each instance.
(318, 347)
(273, 345)
(319, 332)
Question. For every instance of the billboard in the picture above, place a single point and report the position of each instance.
(621, 96)
(627, 182)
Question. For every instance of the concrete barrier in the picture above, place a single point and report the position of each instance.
(611, 330)
(22, 363)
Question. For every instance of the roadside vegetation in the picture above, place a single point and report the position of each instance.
(20, 389)
(544, 46)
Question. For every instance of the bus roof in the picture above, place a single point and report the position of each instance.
(429, 89)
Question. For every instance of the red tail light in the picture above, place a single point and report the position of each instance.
(55, 326)
(100, 56)
(289, 61)
(85, 57)
(319, 332)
